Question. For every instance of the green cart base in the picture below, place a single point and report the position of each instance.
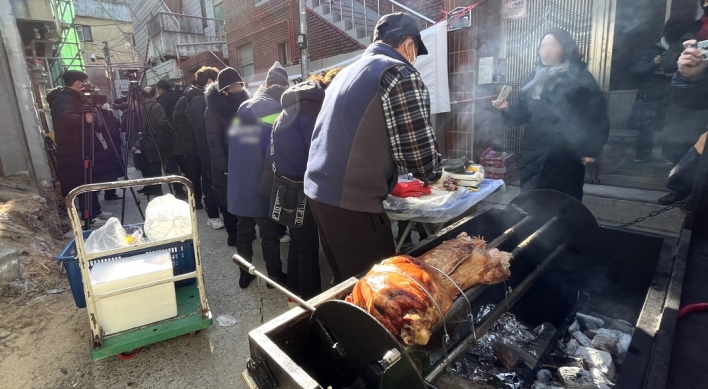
(189, 319)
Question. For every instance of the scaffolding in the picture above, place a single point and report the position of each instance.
(67, 53)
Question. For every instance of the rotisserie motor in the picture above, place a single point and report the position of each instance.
(394, 291)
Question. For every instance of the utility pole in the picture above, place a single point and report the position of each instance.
(111, 78)
(302, 41)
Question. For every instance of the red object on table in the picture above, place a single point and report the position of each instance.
(410, 189)
(692, 308)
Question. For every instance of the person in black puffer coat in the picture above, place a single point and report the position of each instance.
(66, 105)
(220, 111)
(292, 135)
(565, 118)
(653, 96)
(188, 157)
(167, 98)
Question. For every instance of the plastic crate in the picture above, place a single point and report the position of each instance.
(182, 262)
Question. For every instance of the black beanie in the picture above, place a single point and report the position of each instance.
(71, 76)
(226, 77)
(277, 76)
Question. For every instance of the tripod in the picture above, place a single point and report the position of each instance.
(136, 105)
(124, 169)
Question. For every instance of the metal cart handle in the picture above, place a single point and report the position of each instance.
(99, 186)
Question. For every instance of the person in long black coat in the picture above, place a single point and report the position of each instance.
(220, 111)
(188, 157)
(565, 118)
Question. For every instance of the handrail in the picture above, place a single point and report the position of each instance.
(190, 16)
(412, 11)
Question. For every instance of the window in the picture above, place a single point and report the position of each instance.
(245, 61)
(219, 9)
(84, 33)
(284, 53)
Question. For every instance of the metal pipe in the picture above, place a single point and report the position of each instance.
(112, 293)
(252, 270)
(412, 12)
(462, 346)
(508, 233)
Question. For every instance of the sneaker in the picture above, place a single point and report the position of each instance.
(104, 215)
(291, 303)
(245, 279)
(96, 222)
(670, 198)
(231, 241)
(215, 223)
(285, 239)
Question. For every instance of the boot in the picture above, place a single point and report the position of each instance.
(245, 279)
(279, 277)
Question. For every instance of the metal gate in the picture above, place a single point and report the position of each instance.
(590, 22)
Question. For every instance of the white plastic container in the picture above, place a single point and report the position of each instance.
(138, 308)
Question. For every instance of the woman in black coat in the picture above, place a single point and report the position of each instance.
(292, 135)
(565, 118)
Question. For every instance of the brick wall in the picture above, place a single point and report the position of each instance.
(275, 22)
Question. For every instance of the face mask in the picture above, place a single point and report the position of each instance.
(234, 96)
(415, 56)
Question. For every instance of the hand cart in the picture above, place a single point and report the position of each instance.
(193, 313)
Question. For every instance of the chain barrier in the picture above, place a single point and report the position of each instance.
(260, 298)
(657, 212)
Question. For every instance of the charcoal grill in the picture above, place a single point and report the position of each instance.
(562, 262)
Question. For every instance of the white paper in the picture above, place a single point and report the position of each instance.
(513, 9)
(486, 70)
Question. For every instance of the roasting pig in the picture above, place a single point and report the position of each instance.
(396, 291)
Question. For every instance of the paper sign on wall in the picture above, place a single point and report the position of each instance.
(514, 9)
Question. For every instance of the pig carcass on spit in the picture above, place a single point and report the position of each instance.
(394, 291)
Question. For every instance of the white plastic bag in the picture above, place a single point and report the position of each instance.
(109, 237)
(167, 217)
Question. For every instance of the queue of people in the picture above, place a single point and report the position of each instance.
(320, 157)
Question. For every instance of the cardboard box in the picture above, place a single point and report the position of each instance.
(496, 159)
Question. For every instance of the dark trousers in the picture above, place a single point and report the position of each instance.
(155, 170)
(95, 205)
(353, 242)
(270, 243)
(304, 260)
(212, 208)
(681, 182)
(191, 166)
(231, 223)
(674, 151)
(645, 142)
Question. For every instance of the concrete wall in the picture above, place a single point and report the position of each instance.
(102, 10)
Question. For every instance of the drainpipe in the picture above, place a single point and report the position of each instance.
(179, 62)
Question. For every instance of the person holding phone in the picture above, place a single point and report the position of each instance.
(565, 118)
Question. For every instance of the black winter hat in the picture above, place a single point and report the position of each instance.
(277, 76)
(71, 76)
(226, 77)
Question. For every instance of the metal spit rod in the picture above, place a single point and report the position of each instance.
(474, 292)
(462, 346)
(252, 270)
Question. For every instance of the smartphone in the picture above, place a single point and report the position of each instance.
(505, 91)
(703, 47)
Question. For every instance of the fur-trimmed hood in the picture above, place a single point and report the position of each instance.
(221, 104)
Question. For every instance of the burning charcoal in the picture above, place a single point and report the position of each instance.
(621, 326)
(571, 348)
(623, 345)
(574, 327)
(588, 322)
(544, 376)
(601, 360)
(575, 378)
(582, 339)
(606, 340)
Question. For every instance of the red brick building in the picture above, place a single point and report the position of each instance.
(261, 32)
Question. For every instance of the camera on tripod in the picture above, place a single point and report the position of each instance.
(88, 94)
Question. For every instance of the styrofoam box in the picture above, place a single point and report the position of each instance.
(138, 308)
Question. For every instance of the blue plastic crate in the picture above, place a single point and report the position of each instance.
(182, 262)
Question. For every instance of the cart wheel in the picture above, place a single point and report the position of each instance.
(193, 334)
(129, 354)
